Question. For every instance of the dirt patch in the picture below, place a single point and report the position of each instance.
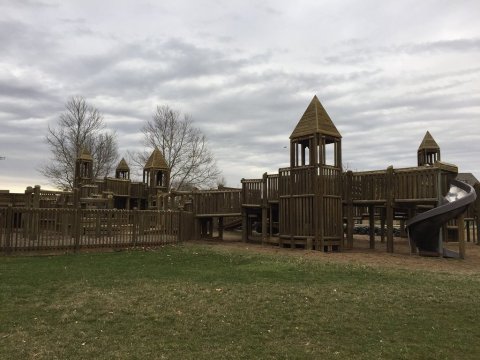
(362, 255)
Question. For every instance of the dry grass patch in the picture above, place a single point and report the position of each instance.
(200, 302)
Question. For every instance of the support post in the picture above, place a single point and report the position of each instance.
(371, 225)
(477, 213)
(264, 209)
(389, 208)
(382, 225)
(220, 227)
(467, 224)
(244, 225)
(349, 209)
(442, 233)
(134, 227)
(9, 229)
(210, 227)
(461, 235)
(77, 220)
(413, 248)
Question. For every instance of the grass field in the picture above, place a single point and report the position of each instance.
(198, 302)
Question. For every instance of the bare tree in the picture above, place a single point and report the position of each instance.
(79, 126)
(184, 147)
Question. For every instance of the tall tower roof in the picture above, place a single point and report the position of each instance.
(315, 120)
(85, 155)
(428, 142)
(156, 160)
(122, 165)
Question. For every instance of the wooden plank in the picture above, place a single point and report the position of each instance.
(389, 209)
(461, 236)
(371, 223)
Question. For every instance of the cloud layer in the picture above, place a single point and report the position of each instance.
(386, 72)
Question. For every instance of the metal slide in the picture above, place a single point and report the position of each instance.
(424, 229)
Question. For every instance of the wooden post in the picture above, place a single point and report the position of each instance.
(244, 212)
(349, 200)
(442, 233)
(270, 216)
(477, 213)
(264, 208)
(403, 233)
(35, 215)
(220, 227)
(244, 224)
(9, 229)
(474, 240)
(76, 219)
(134, 227)
(76, 234)
(315, 211)
(467, 223)
(210, 227)
(461, 236)
(110, 202)
(319, 245)
(309, 243)
(413, 248)
(389, 208)
(382, 225)
(371, 224)
(36, 197)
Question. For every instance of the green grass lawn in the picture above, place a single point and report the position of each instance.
(194, 302)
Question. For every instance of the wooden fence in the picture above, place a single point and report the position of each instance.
(23, 229)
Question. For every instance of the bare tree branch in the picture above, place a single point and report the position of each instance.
(79, 126)
(184, 147)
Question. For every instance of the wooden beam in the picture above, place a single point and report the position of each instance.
(461, 235)
(349, 210)
(389, 208)
(371, 224)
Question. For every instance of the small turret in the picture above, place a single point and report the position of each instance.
(156, 173)
(122, 171)
(83, 169)
(428, 151)
(309, 139)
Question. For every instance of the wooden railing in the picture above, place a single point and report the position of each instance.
(424, 184)
(138, 190)
(416, 183)
(368, 185)
(13, 199)
(272, 187)
(23, 229)
(296, 181)
(119, 187)
(258, 191)
(252, 191)
(216, 202)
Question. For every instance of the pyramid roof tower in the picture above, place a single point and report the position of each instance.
(428, 142)
(122, 165)
(85, 155)
(315, 120)
(156, 160)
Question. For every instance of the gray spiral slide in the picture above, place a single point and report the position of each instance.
(424, 229)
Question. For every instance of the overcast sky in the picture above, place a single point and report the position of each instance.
(385, 71)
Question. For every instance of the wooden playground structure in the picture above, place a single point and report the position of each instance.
(312, 204)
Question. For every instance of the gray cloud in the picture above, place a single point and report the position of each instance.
(245, 73)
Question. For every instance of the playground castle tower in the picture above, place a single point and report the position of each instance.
(120, 192)
(83, 169)
(310, 204)
(122, 171)
(428, 151)
(156, 175)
